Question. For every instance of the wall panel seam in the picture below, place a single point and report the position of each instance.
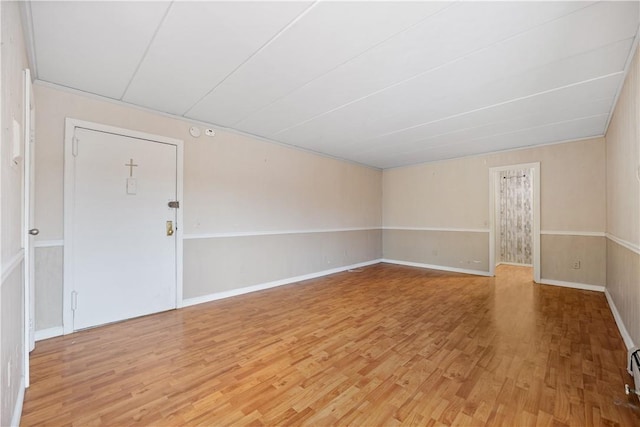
(9, 267)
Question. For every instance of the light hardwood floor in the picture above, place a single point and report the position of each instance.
(388, 345)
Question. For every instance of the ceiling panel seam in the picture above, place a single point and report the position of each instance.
(466, 141)
(464, 129)
(499, 104)
(401, 82)
(307, 83)
(261, 48)
(627, 66)
(146, 51)
(30, 37)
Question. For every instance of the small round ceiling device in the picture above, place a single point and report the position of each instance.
(194, 131)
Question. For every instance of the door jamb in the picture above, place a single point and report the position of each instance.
(28, 240)
(69, 196)
(493, 174)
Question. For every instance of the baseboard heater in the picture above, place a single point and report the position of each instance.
(634, 371)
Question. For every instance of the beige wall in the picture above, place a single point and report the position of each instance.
(623, 203)
(48, 287)
(459, 250)
(454, 195)
(271, 258)
(558, 253)
(232, 184)
(623, 161)
(13, 59)
(623, 285)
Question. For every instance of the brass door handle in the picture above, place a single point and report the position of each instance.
(169, 228)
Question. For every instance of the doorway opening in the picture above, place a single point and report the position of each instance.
(514, 238)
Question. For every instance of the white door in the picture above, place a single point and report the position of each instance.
(28, 221)
(124, 246)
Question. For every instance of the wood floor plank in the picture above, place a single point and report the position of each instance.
(388, 345)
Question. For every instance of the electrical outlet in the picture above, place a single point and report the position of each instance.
(576, 265)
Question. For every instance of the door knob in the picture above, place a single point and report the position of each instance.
(34, 231)
(169, 228)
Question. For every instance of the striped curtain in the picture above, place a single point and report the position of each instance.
(516, 216)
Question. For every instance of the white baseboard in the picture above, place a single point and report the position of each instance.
(17, 409)
(574, 285)
(437, 267)
(515, 264)
(48, 243)
(628, 341)
(240, 291)
(44, 334)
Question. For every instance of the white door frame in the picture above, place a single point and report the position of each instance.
(494, 173)
(27, 223)
(69, 197)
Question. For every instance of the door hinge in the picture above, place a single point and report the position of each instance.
(74, 300)
(174, 204)
(74, 146)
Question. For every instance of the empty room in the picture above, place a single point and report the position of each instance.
(367, 213)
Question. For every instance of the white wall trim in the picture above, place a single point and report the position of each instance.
(48, 243)
(631, 246)
(628, 341)
(9, 267)
(574, 285)
(44, 334)
(437, 267)
(573, 233)
(461, 230)
(240, 291)
(17, 409)
(271, 233)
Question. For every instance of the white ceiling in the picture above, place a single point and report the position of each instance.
(380, 83)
